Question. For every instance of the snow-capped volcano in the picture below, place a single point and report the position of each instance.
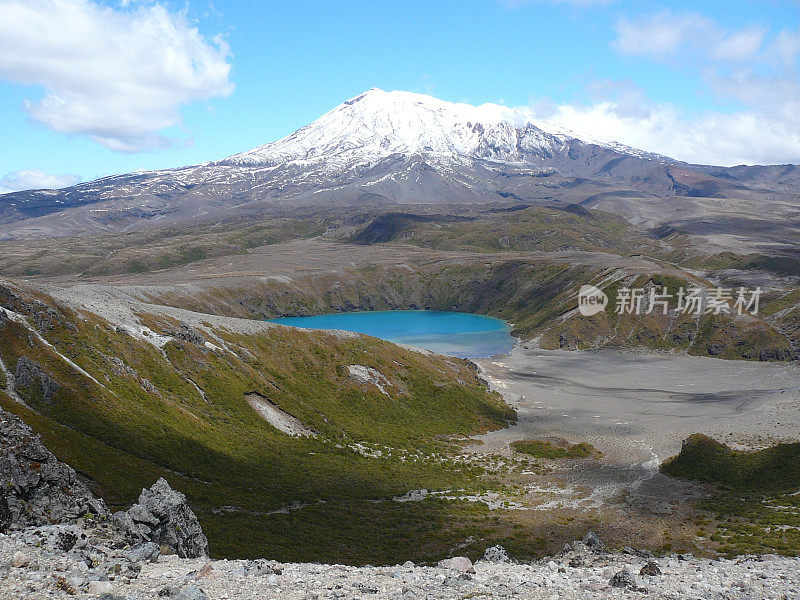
(378, 124)
(383, 149)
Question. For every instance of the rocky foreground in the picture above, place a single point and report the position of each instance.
(58, 541)
(37, 563)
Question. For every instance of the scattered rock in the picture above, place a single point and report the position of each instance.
(263, 567)
(457, 563)
(97, 588)
(109, 575)
(593, 542)
(188, 334)
(162, 516)
(204, 572)
(623, 579)
(191, 593)
(577, 561)
(496, 554)
(19, 559)
(651, 569)
(168, 592)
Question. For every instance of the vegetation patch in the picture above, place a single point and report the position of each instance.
(756, 509)
(555, 448)
(774, 469)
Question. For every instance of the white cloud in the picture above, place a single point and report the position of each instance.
(666, 34)
(660, 34)
(760, 125)
(34, 179)
(741, 45)
(716, 138)
(118, 76)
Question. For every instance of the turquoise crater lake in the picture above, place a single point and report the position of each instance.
(465, 335)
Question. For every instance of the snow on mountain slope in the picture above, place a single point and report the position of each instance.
(377, 124)
(389, 148)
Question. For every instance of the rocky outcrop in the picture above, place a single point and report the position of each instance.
(162, 516)
(5, 513)
(31, 376)
(35, 487)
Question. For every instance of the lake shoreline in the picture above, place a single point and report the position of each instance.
(451, 333)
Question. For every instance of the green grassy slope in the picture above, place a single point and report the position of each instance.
(533, 229)
(773, 469)
(144, 417)
(756, 509)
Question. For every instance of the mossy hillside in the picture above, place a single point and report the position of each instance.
(772, 469)
(555, 449)
(150, 250)
(789, 324)
(429, 396)
(782, 309)
(777, 302)
(534, 228)
(147, 420)
(756, 509)
(722, 336)
(785, 264)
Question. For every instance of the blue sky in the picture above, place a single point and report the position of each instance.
(704, 81)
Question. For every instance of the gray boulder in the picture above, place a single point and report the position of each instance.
(191, 593)
(162, 516)
(496, 554)
(623, 579)
(593, 542)
(651, 569)
(147, 552)
(37, 489)
(457, 563)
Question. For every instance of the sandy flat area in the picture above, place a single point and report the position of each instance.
(637, 408)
